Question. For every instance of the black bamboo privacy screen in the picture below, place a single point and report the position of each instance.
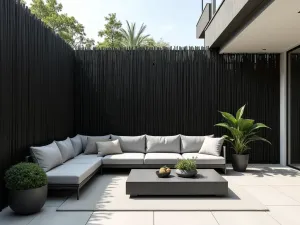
(167, 92)
(36, 86)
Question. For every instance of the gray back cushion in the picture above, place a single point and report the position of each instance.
(163, 144)
(192, 144)
(66, 149)
(77, 144)
(83, 140)
(131, 143)
(212, 146)
(91, 147)
(47, 156)
(109, 148)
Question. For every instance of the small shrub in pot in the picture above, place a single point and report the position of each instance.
(186, 167)
(27, 185)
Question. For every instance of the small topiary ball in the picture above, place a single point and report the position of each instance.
(24, 176)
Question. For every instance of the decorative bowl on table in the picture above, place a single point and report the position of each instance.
(163, 172)
(186, 173)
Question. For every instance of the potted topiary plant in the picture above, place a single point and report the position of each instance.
(27, 184)
(186, 168)
(242, 133)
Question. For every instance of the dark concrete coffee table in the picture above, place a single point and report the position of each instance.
(146, 182)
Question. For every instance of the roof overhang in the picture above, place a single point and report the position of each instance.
(275, 29)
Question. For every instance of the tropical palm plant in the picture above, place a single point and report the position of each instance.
(131, 38)
(242, 131)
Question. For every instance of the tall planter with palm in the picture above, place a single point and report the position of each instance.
(242, 132)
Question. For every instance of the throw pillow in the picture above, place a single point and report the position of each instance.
(77, 144)
(192, 144)
(212, 146)
(109, 148)
(66, 149)
(47, 157)
(91, 147)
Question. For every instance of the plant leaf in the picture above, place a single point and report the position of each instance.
(245, 124)
(258, 126)
(240, 112)
(257, 138)
(230, 118)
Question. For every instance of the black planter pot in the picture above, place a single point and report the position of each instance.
(240, 162)
(27, 202)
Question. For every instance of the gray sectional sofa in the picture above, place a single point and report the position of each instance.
(69, 164)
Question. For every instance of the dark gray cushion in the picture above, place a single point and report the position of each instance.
(192, 144)
(163, 144)
(47, 156)
(131, 143)
(77, 144)
(108, 148)
(91, 147)
(66, 149)
(212, 146)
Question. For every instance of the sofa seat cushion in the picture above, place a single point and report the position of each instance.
(162, 158)
(85, 159)
(202, 159)
(124, 158)
(71, 173)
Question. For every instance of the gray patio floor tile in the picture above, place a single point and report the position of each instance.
(8, 217)
(55, 201)
(244, 218)
(49, 216)
(285, 215)
(181, 218)
(121, 218)
(268, 195)
(291, 191)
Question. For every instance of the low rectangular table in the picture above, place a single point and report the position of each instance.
(146, 182)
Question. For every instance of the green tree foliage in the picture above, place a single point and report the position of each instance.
(111, 33)
(134, 39)
(162, 44)
(151, 43)
(67, 27)
(115, 36)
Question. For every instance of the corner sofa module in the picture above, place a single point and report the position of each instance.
(74, 173)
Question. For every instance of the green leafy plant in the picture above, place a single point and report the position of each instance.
(24, 176)
(186, 164)
(242, 131)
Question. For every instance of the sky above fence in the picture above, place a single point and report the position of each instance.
(173, 20)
